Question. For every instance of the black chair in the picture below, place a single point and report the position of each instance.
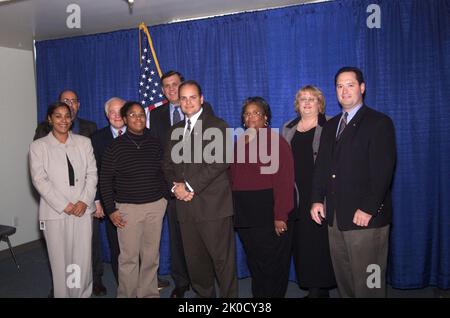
(5, 232)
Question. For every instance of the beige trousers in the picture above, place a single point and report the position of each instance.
(139, 248)
(69, 250)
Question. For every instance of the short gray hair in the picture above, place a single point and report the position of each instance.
(109, 101)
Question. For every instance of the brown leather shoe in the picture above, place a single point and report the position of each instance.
(98, 289)
(178, 292)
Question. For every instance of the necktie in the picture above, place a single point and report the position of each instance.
(342, 125)
(189, 126)
(120, 132)
(176, 118)
(188, 129)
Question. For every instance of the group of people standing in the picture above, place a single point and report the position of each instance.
(133, 175)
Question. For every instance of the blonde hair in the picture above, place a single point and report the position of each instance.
(313, 90)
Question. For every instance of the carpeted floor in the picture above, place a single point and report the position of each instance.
(33, 278)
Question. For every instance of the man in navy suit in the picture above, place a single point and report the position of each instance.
(353, 173)
(161, 119)
(100, 141)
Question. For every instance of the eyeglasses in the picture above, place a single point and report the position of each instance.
(309, 100)
(254, 114)
(136, 115)
(70, 100)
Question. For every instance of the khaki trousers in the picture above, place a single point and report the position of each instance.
(69, 250)
(139, 248)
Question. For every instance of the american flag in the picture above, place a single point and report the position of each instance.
(150, 91)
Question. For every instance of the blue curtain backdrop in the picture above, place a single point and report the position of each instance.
(273, 53)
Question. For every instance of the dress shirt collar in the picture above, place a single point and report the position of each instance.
(193, 119)
(115, 132)
(352, 112)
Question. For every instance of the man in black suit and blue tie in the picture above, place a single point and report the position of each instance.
(353, 173)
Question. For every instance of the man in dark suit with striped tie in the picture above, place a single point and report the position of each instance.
(353, 173)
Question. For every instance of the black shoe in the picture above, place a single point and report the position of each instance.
(178, 292)
(98, 289)
(163, 283)
(318, 293)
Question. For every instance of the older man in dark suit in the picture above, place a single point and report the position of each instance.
(100, 141)
(204, 202)
(79, 125)
(353, 173)
(161, 119)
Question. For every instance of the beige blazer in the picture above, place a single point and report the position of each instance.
(50, 176)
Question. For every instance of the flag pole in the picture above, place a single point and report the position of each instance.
(143, 27)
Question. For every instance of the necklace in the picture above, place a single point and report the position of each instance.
(138, 146)
(303, 128)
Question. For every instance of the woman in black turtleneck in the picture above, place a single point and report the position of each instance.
(131, 186)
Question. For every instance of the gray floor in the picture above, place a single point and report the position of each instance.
(33, 279)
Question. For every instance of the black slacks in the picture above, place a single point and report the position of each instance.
(268, 259)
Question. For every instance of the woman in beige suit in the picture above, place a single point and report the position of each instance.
(64, 172)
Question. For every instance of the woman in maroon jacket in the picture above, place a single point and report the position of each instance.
(262, 177)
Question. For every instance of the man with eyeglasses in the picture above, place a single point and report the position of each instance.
(79, 125)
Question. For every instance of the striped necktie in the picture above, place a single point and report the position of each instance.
(342, 125)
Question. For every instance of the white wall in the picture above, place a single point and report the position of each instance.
(18, 114)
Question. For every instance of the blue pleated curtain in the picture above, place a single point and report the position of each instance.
(273, 53)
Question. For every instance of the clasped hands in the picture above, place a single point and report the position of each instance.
(181, 192)
(76, 209)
